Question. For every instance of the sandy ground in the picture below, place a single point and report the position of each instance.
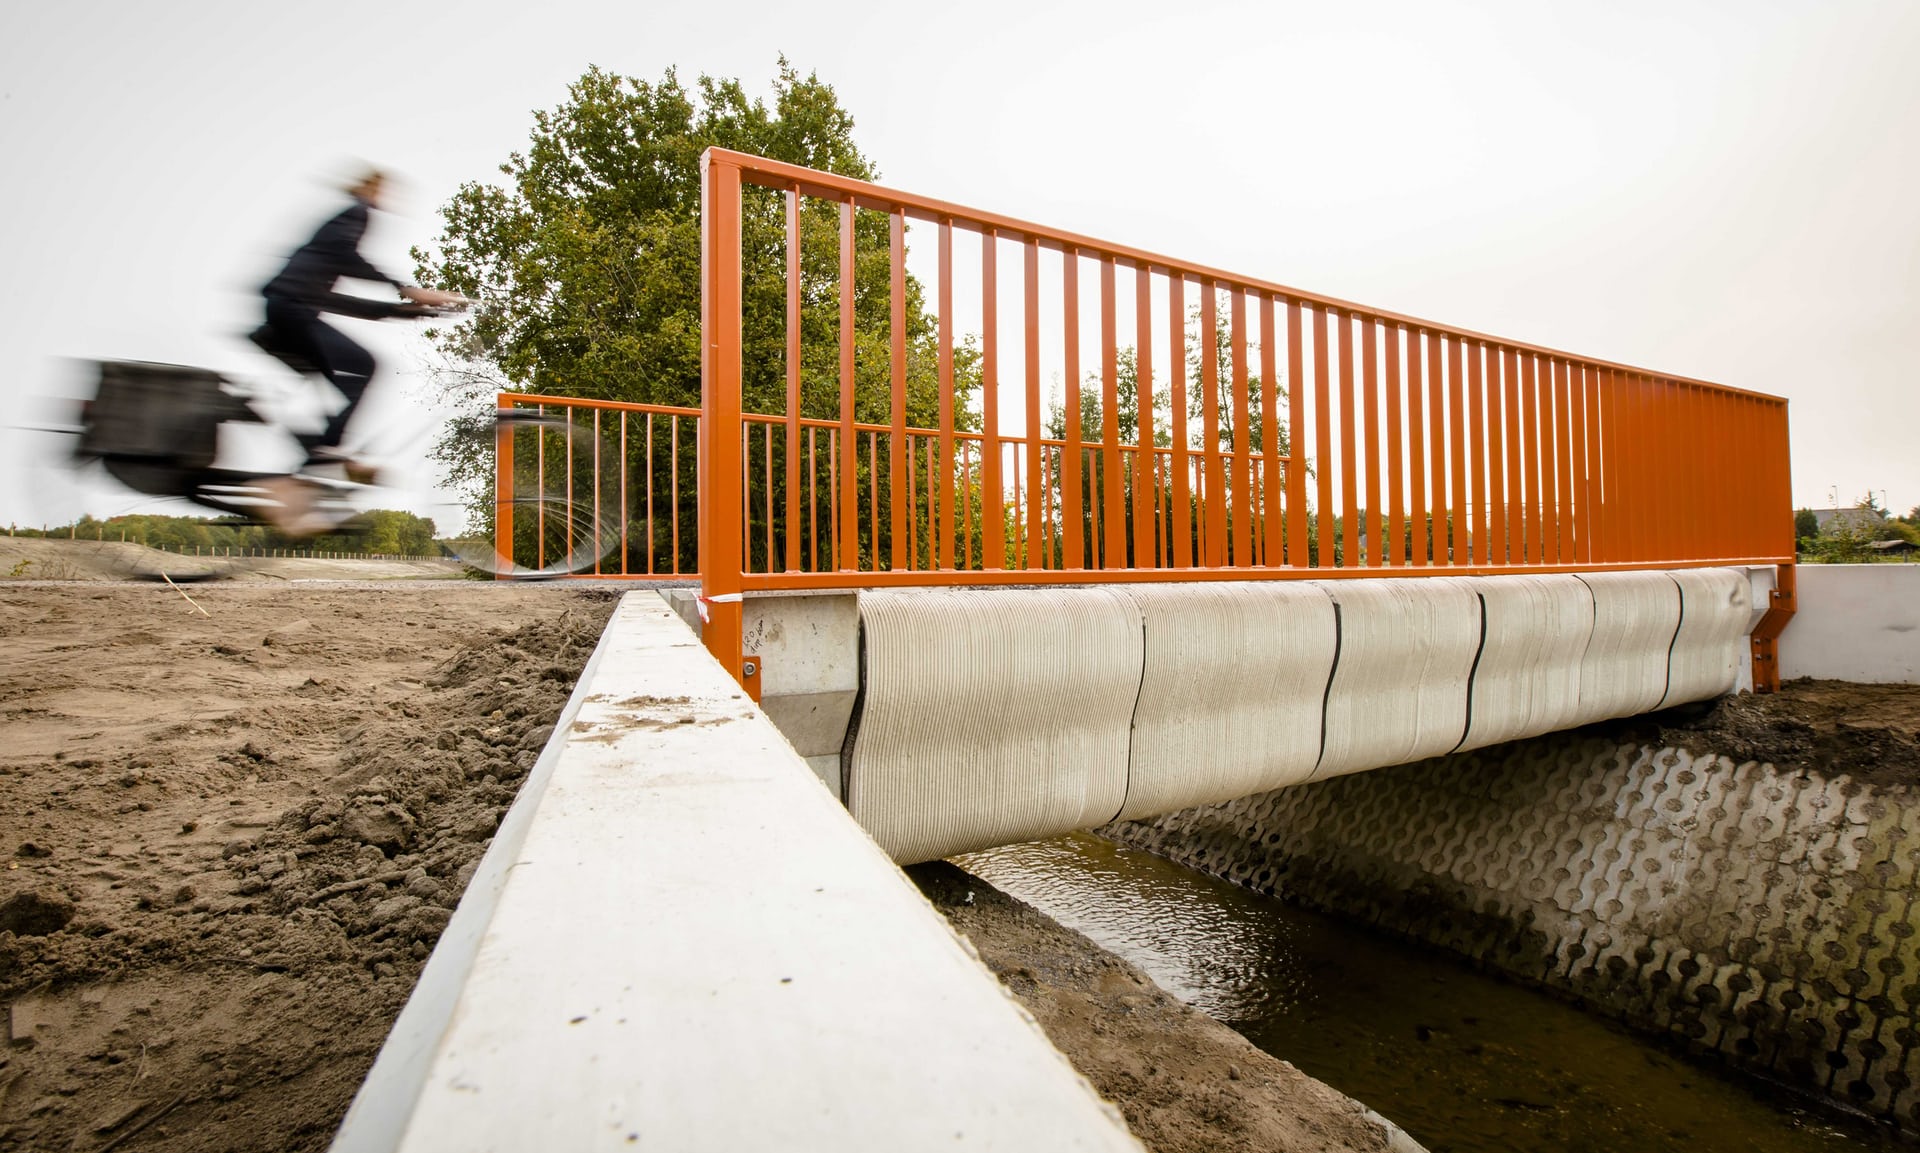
(234, 831)
(232, 837)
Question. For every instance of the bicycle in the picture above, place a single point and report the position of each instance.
(155, 429)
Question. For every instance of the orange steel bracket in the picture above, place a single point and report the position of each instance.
(1766, 634)
(751, 668)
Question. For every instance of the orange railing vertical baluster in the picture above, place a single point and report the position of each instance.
(503, 490)
(813, 499)
(1273, 551)
(1543, 505)
(1370, 383)
(1113, 533)
(1581, 463)
(944, 475)
(766, 441)
(1181, 527)
(1605, 423)
(1439, 515)
(842, 473)
(1515, 496)
(1242, 435)
(936, 540)
(1323, 439)
(1417, 449)
(964, 554)
(1070, 493)
(1035, 546)
(746, 500)
(626, 501)
(1458, 533)
(1563, 468)
(1213, 555)
(793, 384)
(993, 517)
(1591, 481)
(1146, 502)
(1500, 548)
(873, 494)
(897, 451)
(1395, 552)
(653, 567)
(1477, 453)
(673, 453)
(1345, 324)
(720, 366)
(1530, 451)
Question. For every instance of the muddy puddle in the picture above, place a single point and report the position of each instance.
(1464, 1062)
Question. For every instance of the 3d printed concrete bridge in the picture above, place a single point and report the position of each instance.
(1542, 539)
(1283, 537)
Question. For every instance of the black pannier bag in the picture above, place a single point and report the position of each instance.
(155, 427)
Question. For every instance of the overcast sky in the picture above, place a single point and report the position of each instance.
(1724, 191)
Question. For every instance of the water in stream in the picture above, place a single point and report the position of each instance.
(1464, 1062)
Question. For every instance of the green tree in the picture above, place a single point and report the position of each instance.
(1805, 524)
(586, 259)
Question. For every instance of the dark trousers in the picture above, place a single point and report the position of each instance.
(298, 332)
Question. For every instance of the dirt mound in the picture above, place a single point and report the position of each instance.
(255, 824)
(41, 559)
(1869, 732)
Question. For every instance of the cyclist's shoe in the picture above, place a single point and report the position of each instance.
(291, 508)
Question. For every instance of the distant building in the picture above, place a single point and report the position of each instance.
(1851, 520)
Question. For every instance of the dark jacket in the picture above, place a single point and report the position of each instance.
(334, 252)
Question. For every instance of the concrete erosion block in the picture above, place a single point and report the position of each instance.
(1230, 698)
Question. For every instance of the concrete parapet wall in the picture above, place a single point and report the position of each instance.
(1764, 916)
(1856, 622)
(679, 939)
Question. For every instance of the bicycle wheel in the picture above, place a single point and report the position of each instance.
(555, 506)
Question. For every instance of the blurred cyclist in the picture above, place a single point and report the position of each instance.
(304, 291)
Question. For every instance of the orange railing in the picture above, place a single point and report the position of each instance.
(1411, 447)
(608, 465)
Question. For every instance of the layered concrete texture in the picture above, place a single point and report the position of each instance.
(1762, 915)
(1716, 606)
(991, 717)
(1624, 670)
(679, 940)
(1230, 696)
(1527, 679)
(997, 716)
(1856, 622)
(1399, 688)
